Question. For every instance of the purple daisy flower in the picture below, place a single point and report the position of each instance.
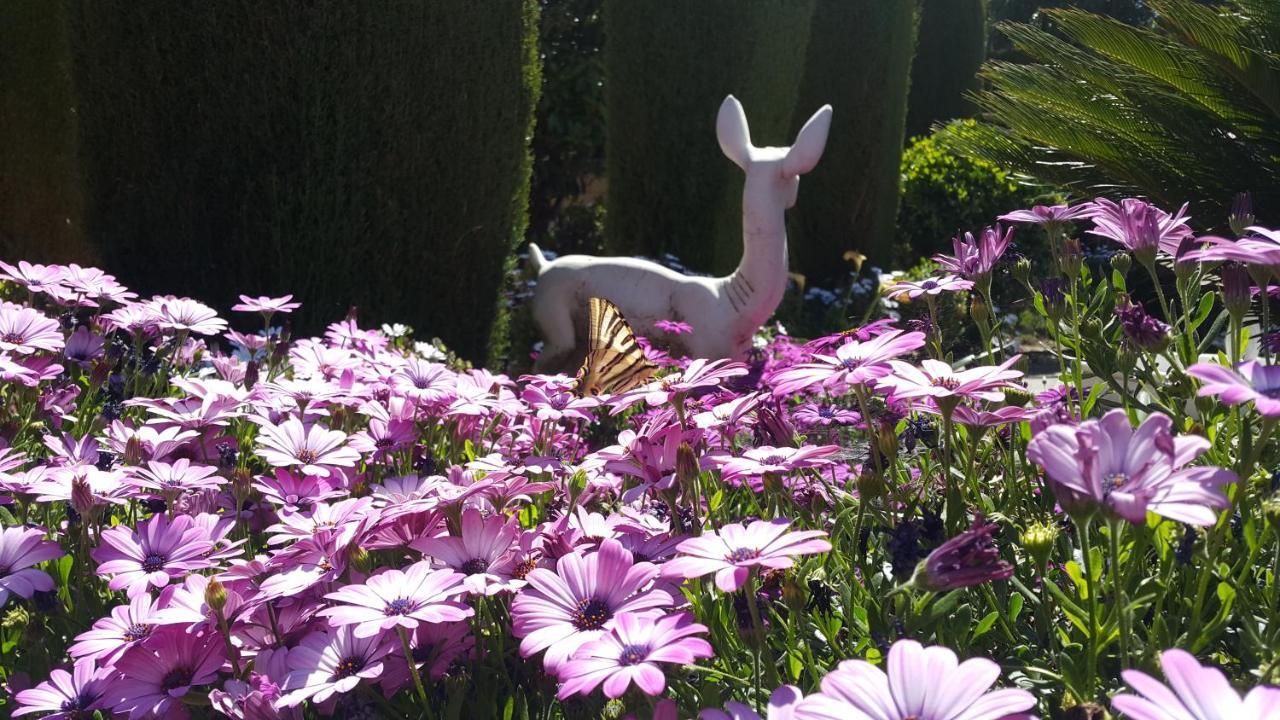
(24, 330)
(974, 259)
(315, 449)
(482, 552)
(187, 315)
(921, 683)
(157, 552)
(968, 559)
(1250, 382)
(854, 363)
(111, 636)
(1140, 227)
(1109, 464)
(325, 664)
(265, 305)
(395, 598)
(929, 287)
(562, 610)
(156, 676)
(630, 653)
(1051, 214)
(1194, 692)
(66, 695)
(20, 548)
(736, 548)
(782, 706)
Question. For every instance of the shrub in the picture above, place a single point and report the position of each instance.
(859, 60)
(354, 154)
(944, 192)
(669, 65)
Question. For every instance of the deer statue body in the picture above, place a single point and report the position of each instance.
(724, 312)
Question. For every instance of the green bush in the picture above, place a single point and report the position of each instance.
(944, 193)
(668, 66)
(360, 154)
(859, 60)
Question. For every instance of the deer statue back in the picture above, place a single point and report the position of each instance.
(724, 312)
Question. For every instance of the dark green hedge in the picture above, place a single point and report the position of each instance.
(368, 154)
(859, 60)
(669, 65)
(951, 46)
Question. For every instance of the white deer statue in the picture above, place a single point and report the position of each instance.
(724, 312)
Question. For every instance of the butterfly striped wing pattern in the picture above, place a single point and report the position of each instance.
(615, 362)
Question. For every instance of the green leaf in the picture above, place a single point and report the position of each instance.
(1202, 314)
(985, 624)
(1015, 608)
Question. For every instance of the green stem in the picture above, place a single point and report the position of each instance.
(413, 666)
(1086, 548)
(1115, 527)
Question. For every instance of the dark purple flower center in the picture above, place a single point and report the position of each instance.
(744, 554)
(850, 364)
(306, 457)
(773, 460)
(1273, 393)
(929, 284)
(153, 562)
(400, 606)
(383, 443)
(826, 411)
(13, 337)
(136, 632)
(1114, 482)
(74, 708)
(475, 566)
(348, 667)
(176, 678)
(633, 655)
(559, 402)
(591, 614)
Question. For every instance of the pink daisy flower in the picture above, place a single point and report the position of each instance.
(157, 675)
(630, 653)
(396, 598)
(34, 277)
(1127, 471)
(1250, 382)
(929, 287)
(178, 478)
(1051, 214)
(1194, 692)
(111, 636)
(937, 380)
(325, 664)
(921, 683)
(674, 327)
(757, 461)
(315, 449)
(482, 553)
(562, 610)
(20, 548)
(854, 363)
(975, 259)
(157, 552)
(67, 695)
(24, 330)
(1140, 227)
(735, 549)
(187, 315)
(265, 305)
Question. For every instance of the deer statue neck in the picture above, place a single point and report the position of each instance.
(756, 287)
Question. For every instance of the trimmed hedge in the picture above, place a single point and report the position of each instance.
(859, 60)
(40, 200)
(360, 154)
(669, 65)
(951, 46)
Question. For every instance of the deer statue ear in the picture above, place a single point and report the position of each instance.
(732, 132)
(810, 141)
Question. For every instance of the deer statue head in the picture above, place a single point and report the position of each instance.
(773, 173)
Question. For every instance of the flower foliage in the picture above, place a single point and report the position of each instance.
(199, 520)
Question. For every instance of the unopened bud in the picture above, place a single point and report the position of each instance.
(1271, 511)
(359, 559)
(687, 467)
(870, 485)
(1236, 289)
(215, 596)
(979, 311)
(1241, 214)
(1072, 257)
(82, 500)
(1121, 262)
(251, 375)
(1038, 540)
(1022, 270)
(1017, 396)
(133, 451)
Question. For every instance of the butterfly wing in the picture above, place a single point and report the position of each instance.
(615, 362)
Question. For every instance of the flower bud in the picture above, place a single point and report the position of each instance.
(870, 484)
(251, 375)
(1121, 262)
(979, 311)
(968, 559)
(133, 451)
(1072, 257)
(1271, 511)
(215, 596)
(687, 467)
(1236, 287)
(1022, 270)
(1016, 396)
(1038, 540)
(1241, 214)
(360, 560)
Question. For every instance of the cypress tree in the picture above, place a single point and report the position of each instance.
(951, 46)
(669, 64)
(360, 154)
(859, 60)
